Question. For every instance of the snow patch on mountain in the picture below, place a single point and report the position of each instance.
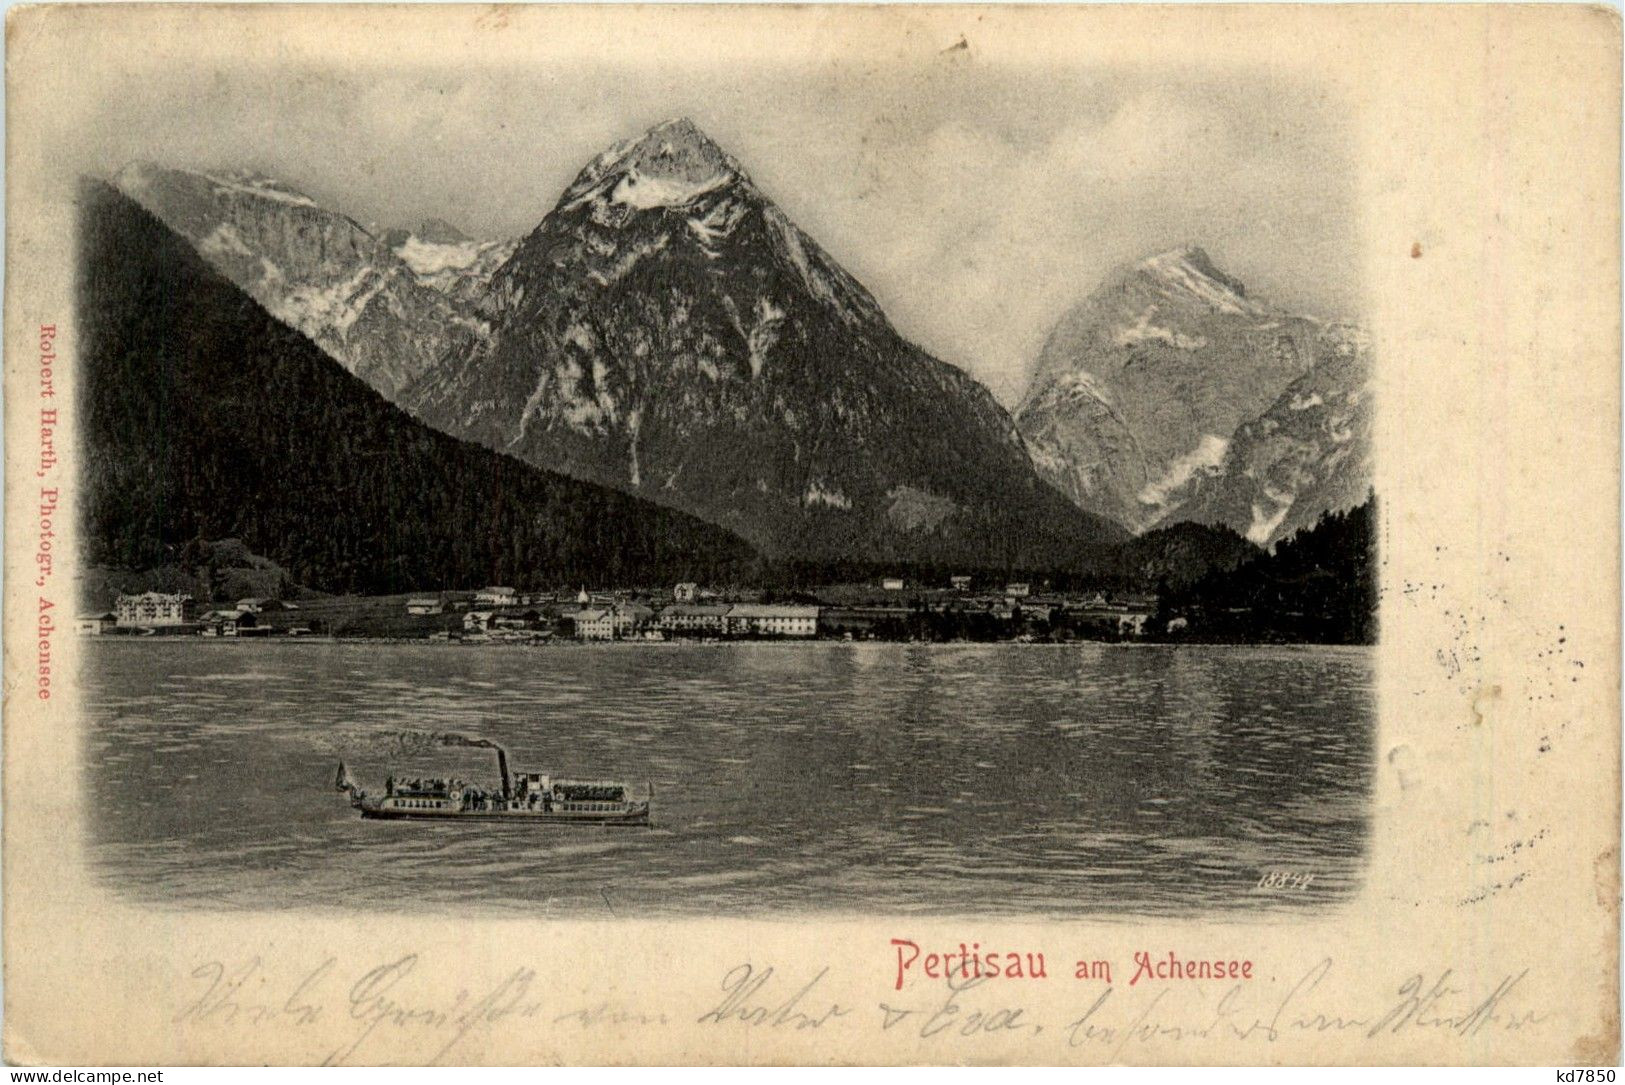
(430, 258)
(224, 240)
(1144, 331)
(1265, 522)
(763, 334)
(819, 494)
(1082, 383)
(609, 158)
(915, 509)
(334, 308)
(136, 179)
(581, 411)
(634, 420)
(1047, 458)
(1208, 455)
(790, 240)
(1190, 270)
(716, 224)
(644, 191)
(480, 328)
(531, 403)
(454, 266)
(627, 260)
(260, 187)
(579, 335)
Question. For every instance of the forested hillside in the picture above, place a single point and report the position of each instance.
(204, 418)
(1319, 586)
(1178, 555)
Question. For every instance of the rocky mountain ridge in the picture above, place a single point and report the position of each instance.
(385, 305)
(667, 330)
(204, 419)
(1168, 395)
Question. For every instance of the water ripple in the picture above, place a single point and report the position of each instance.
(903, 779)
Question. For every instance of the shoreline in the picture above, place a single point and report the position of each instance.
(786, 642)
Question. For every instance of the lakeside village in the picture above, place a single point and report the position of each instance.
(890, 610)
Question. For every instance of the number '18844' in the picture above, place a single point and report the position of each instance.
(1284, 879)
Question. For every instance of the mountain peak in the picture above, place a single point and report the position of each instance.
(1193, 255)
(1186, 257)
(440, 232)
(139, 172)
(1191, 269)
(677, 150)
(670, 165)
(679, 130)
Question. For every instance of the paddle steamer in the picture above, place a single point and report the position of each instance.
(526, 796)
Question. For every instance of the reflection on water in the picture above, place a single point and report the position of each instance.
(877, 778)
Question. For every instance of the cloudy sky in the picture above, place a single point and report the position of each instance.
(976, 200)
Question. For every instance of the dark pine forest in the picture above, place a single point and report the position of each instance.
(1319, 587)
(204, 418)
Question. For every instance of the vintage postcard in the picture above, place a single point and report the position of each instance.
(903, 535)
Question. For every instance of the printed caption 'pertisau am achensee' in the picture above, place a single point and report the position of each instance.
(972, 962)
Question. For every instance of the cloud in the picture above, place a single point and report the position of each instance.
(979, 242)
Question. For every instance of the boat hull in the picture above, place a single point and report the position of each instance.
(636, 817)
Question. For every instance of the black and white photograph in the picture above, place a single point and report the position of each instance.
(757, 519)
(880, 499)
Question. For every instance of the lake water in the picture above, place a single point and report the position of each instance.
(1091, 780)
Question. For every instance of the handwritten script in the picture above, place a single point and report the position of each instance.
(409, 1009)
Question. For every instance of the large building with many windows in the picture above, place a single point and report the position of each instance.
(694, 619)
(772, 620)
(154, 608)
(619, 622)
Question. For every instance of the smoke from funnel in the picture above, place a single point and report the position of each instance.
(410, 742)
(451, 738)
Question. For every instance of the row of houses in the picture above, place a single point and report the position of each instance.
(152, 611)
(741, 619)
(154, 608)
(1002, 617)
(632, 621)
(247, 623)
(178, 612)
(1015, 590)
(629, 621)
(598, 616)
(486, 599)
(496, 599)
